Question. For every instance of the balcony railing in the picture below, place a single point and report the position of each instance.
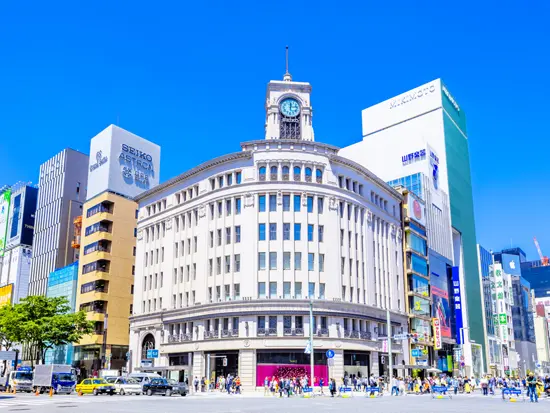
(211, 334)
(297, 177)
(365, 335)
(178, 338)
(351, 334)
(273, 177)
(267, 331)
(322, 332)
(308, 178)
(234, 332)
(319, 179)
(286, 177)
(262, 177)
(293, 331)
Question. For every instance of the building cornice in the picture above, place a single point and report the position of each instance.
(364, 171)
(194, 171)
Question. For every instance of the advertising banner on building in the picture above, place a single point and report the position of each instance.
(511, 264)
(5, 199)
(497, 292)
(416, 209)
(6, 294)
(441, 310)
(437, 334)
(457, 295)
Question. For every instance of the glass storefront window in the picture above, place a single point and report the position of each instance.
(420, 326)
(417, 264)
(419, 285)
(419, 306)
(416, 243)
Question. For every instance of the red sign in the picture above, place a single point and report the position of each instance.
(417, 210)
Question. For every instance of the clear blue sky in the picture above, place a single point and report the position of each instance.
(191, 76)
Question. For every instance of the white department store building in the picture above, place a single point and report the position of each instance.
(230, 253)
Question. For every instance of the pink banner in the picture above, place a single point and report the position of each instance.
(289, 371)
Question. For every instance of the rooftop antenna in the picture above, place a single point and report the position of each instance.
(287, 77)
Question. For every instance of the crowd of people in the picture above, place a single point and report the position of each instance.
(289, 382)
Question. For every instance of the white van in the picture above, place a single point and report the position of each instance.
(144, 378)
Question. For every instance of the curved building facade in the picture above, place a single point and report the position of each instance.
(231, 253)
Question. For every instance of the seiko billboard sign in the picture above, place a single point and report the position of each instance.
(124, 163)
(413, 95)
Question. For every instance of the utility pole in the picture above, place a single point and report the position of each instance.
(390, 358)
(312, 353)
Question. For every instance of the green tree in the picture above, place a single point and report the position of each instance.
(45, 322)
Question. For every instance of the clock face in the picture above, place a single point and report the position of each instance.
(290, 107)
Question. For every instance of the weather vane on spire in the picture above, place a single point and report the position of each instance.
(287, 77)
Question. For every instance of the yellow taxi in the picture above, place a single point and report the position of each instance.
(95, 387)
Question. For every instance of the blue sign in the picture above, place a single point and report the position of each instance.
(24, 368)
(330, 354)
(414, 157)
(152, 354)
(457, 294)
(511, 264)
(416, 352)
(434, 162)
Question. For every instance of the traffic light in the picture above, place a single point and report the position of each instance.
(224, 361)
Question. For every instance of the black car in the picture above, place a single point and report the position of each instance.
(157, 386)
(179, 388)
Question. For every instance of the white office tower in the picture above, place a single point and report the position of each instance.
(61, 193)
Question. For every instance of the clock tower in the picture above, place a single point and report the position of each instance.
(287, 109)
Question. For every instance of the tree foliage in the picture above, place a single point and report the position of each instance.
(41, 323)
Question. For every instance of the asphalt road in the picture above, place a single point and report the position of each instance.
(252, 404)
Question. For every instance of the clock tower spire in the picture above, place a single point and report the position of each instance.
(287, 109)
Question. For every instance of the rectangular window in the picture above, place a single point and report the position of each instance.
(286, 202)
(297, 232)
(220, 181)
(286, 260)
(416, 243)
(286, 289)
(228, 235)
(219, 236)
(297, 200)
(272, 290)
(311, 261)
(273, 203)
(237, 265)
(237, 290)
(210, 267)
(310, 229)
(320, 204)
(261, 290)
(218, 265)
(228, 207)
(237, 234)
(273, 322)
(261, 322)
(227, 264)
(227, 291)
(272, 232)
(286, 231)
(238, 177)
(261, 260)
(272, 260)
(309, 204)
(261, 232)
(311, 290)
(195, 243)
(341, 209)
(298, 289)
(211, 215)
(297, 261)
(341, 237)
(261, 202)
(211, 239)
(229, 179)
(322, 291)
(321, 231)
(220, 212)
(321, 262)
(238, 206)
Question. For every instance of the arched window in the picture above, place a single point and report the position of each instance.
(319, 176)
(308, 174)
(148, 343)
(286, 173)
(262, 173)
(273, 173)
(297, 173)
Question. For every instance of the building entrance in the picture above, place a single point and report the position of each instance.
(217, 368)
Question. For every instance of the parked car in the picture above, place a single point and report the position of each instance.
(179, 388)
(95, 387)
(144, 378)
(126, 385)
(158, 386)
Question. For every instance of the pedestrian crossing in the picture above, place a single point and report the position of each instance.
(42, 401)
